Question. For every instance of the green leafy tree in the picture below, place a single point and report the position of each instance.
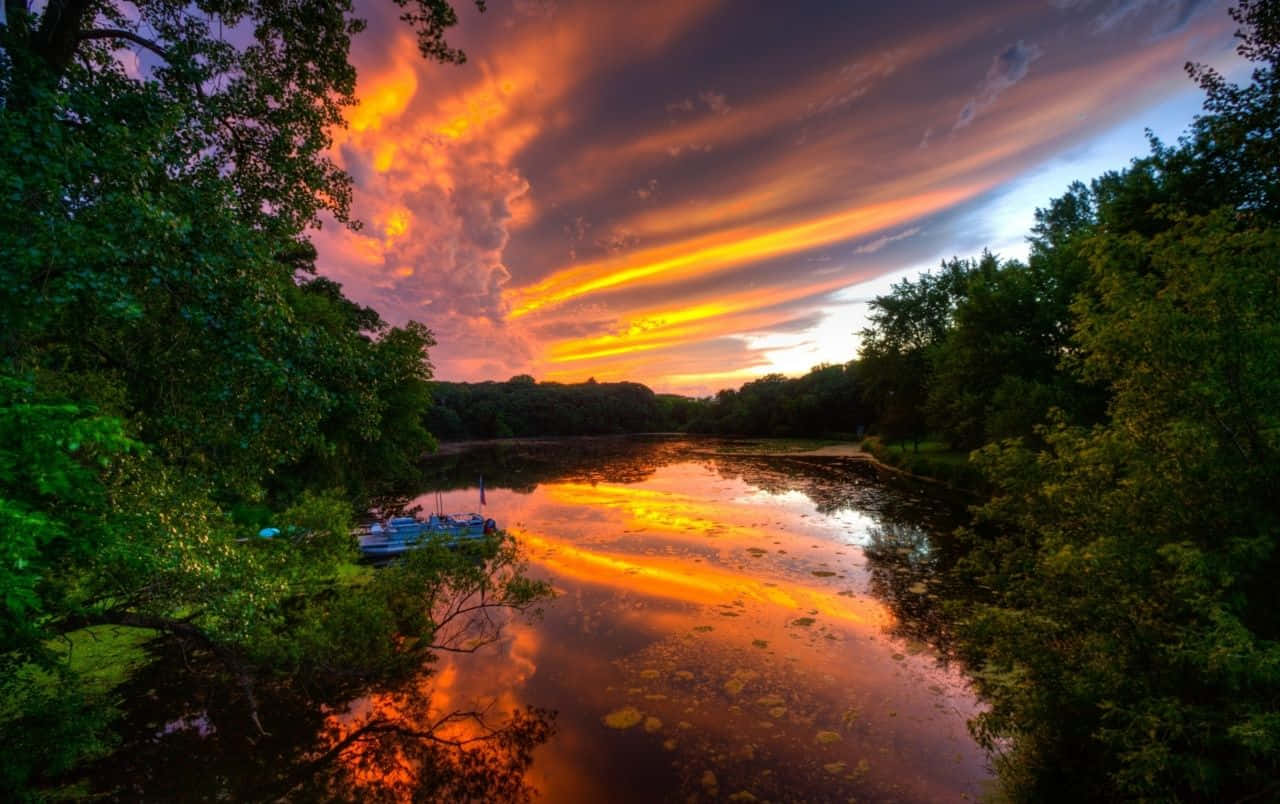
(168, 359)
(908, 326)
(1130, 645)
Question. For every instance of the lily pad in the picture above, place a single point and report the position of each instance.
(709, 782)
(822, 573)
(827, 737)
(803, 621)
(760, 643)
(624, 718)
(652, 724)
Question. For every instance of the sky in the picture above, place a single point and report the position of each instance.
(695, 193)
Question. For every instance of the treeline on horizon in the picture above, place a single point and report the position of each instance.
(826, 402)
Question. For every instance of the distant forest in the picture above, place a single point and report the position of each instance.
(826, 402)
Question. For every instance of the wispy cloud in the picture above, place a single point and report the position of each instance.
(1008, 68)
(589, 196)
(873, 246)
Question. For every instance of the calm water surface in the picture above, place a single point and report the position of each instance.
(728, 623)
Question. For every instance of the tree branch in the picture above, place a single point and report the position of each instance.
(56, 41)
(115, 33)
(180, 628)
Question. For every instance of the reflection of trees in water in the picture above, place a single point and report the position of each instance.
(522, 465)
(419, 754)
(832, 483)
(909, 570)
(361, 725)
(835, 484)
(399, 751)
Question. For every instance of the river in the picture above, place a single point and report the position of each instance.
(734, 620)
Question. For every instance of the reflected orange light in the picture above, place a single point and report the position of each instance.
(698, 583)
(673, 514)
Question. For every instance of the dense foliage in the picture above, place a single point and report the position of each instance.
(172, 373)
(1126, 627)
(828, 401)
(523, 407)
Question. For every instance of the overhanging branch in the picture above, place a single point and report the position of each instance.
(116, 33)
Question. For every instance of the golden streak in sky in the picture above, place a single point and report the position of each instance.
(737, 247)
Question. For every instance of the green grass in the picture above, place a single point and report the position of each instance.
(935, 451)
(353, 574)
(105, 656)
(934, 460)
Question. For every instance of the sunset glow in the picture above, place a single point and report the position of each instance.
(667, 195)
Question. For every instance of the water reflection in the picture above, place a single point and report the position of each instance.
(730, 624)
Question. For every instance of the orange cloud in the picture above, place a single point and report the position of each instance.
(734, 248)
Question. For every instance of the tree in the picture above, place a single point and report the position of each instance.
(907, 326)
(1130, 642)
(171, 370)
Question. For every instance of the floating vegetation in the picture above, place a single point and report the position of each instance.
(709, 782)
(623, 718)
(803, 621)
(734, 686)
(834, 767)
(652, 724)
(669, 744)
(771, 700)
(827, 737)
(742, 795)
(917, 588)
(850, 716)
(703, 628)
(757, 552)
(650, 673)
(897, 657)
(683, 675)
(822, 573)
(777, 711)
(760, 643)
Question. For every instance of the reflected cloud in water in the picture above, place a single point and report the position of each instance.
(728, 621)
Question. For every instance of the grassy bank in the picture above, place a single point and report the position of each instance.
(930, 459)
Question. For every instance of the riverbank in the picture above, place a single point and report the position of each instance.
(932, 461)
